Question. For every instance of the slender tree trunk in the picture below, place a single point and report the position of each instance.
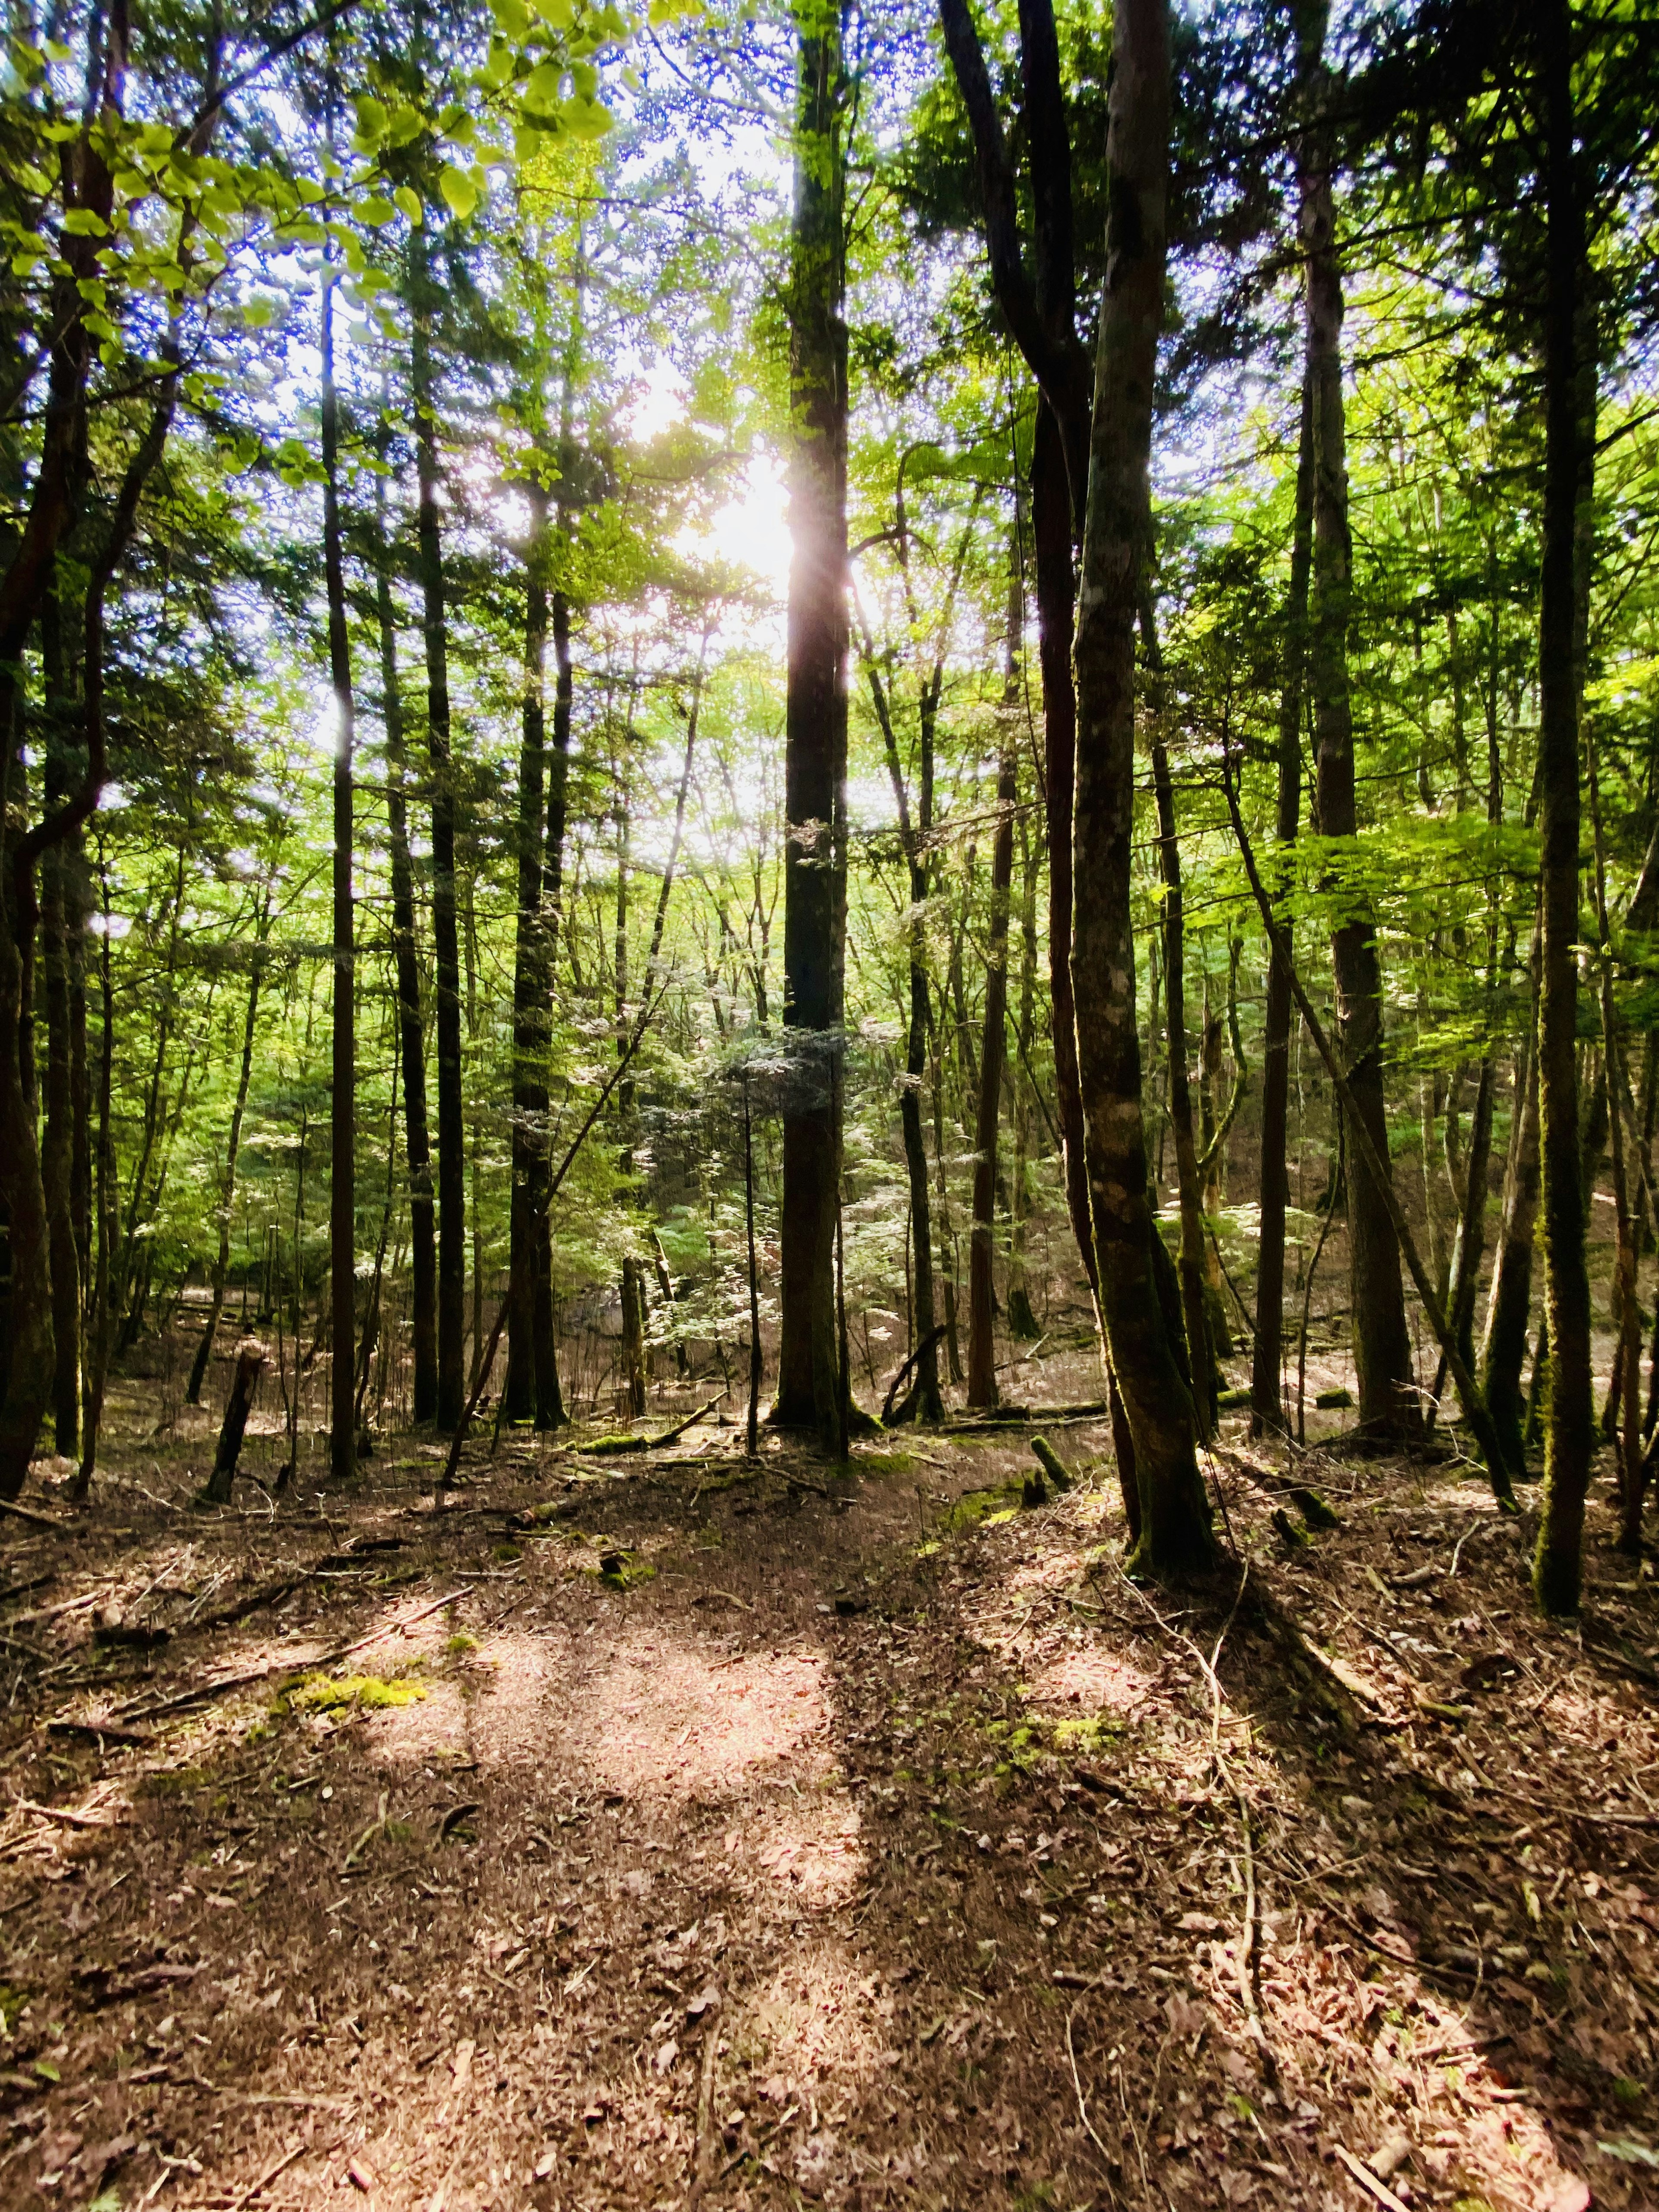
(532, 1010)
(925, 1399)
(343, 1108)
(981, 1300)
(1504, 1346)
(1195, 1319)
(1022, 1321)
(1174, 1523)
(58, 890)
(549, 1401)
(417, 1151)
(452, 1128)
(1567, 1445)
(815, 763)
(233, 1150)
(1382, 1345)
(107, 1225)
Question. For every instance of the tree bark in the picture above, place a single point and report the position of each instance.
(1382, 1351)
(531, 1009)
(1557, 1566)
(924, 1402)
(550, 1399)
(1190, 1266)
(982, 1301)
(1504, 1344)
(815, 756)
(417, 1148)
(251, 1358)
(1022, 1321)
(343, 1105)
(58, 896)
(1175, 1523)
(452, 1133)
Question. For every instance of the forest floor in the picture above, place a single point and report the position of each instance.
(674, 1829)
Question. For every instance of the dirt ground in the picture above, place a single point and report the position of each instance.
(671, 1828)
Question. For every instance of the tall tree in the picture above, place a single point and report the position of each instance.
(343, 1108)
(1567, 1437)
(417, 1147)
(1382, 1344)
(814, 730)
(434, 625)
(1266, 1392)
(1175, 1524)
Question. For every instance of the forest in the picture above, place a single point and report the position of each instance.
(829, 1065)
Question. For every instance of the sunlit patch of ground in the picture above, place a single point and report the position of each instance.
(1097, 1681)
(671, 1714)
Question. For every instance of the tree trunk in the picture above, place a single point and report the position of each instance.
(1175, 1521)
(107, 1225)
(251, 1358)
(981, 1300)
(58, 892)
(924, 1400)
(1567, 1445)
(1195, 1319)
(815, 759)
(417, 1151)
(1504, 1346)
(1022, 1321)
(1382, 1351)
(532, 1010)
(452, 1132)
(343, 1106)
(232, 1149)
(550, 1400)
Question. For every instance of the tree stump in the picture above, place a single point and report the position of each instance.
(251, 1356)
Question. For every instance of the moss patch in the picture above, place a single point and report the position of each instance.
(326, 1693)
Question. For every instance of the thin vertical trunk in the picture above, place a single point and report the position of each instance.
(549, 1401)
(815, 746)
(1190, 1266)
(233, 1151)
(1557, 1564)
(343, 1106)
(1504, 1346)
(106, 1226)
(982, 1302)
(914, 834)
(417, 1150)
(532, 1010)
(452, 1135)
(1382, 1345)
(1022, 1321)
(58, 890)
(1175, 1532)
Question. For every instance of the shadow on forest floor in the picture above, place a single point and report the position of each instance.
(861, 1840)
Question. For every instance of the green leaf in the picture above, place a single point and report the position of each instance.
(460, 193)
(371, 123)
(585, 118)
(409, 200)
(46, 2071)
(82, 222)
(542, 87)
(258, 310)
(376, 211)
(513, 17)
(407, 125)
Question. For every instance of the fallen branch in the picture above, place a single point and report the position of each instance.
(612, 1447)
(1468, 1391)
(27, 1513)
